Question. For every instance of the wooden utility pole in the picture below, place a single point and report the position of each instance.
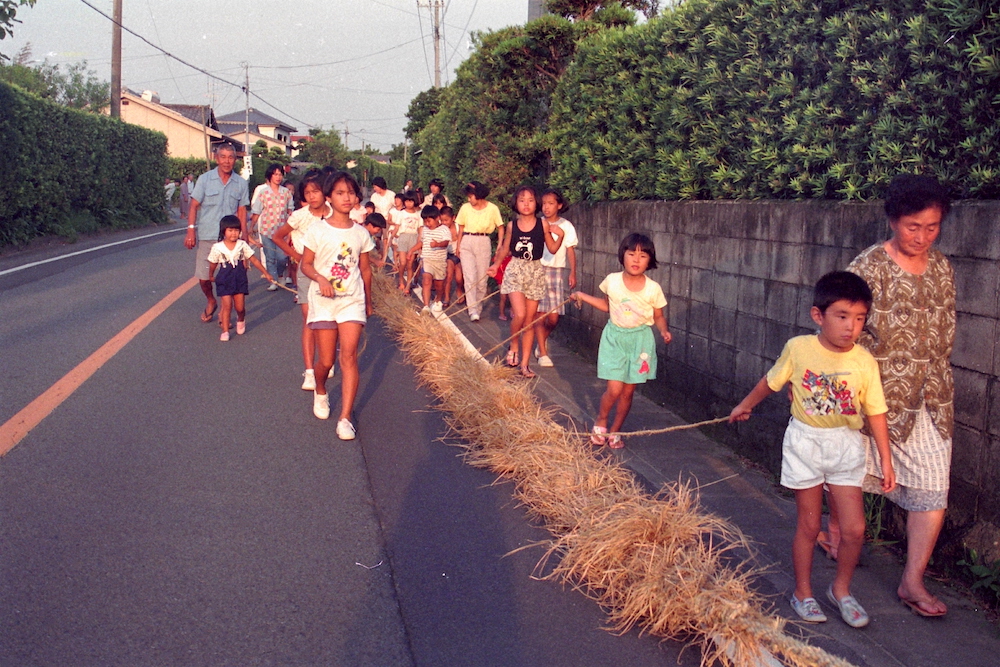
(247, 150)
(116, 61)
(436, 10)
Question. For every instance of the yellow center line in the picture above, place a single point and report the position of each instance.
(18, 426)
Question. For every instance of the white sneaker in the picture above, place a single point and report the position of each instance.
(545, 362)
(309, 380)
(425, 309)
(321, 405)
(474, 318)
(272, 287)
(436, 306)
(288, 281)
(345, 430)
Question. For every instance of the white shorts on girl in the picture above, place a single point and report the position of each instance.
(337, 309)
(812, 456)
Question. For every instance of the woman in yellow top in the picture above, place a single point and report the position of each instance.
(476, 222)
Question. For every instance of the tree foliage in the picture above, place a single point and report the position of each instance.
(799, 99)
(8, 17)
(421, 109)
(583, 10)
(492, 121)
(77, 87)
(325, 148)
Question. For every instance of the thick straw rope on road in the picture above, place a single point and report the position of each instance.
(660, 564)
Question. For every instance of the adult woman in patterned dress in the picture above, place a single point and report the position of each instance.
(911, 331)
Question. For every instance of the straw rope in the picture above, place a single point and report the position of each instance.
(668, 429)
(525, 328)
(661, 565)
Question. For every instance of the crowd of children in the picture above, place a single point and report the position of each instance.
(335, 241)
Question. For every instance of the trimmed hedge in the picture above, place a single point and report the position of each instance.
(61, 165)
(799, 99)
(366, 169)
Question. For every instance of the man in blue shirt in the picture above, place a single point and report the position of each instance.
(216, 194)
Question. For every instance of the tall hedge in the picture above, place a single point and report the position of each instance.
(791, 99)
(60, 164)
(366, 169)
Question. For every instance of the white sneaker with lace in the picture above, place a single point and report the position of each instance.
(321, 405)
(345, 430)
(309, 380)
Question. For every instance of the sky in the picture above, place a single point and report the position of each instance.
(333, 64)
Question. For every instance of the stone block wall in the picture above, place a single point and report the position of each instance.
(738, 277)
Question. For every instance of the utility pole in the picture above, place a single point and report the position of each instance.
(347, 133)
(248, 152)
(435, 8)
(116, 61)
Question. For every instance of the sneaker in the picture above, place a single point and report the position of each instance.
(436, 307)
(321, 405)
(241, 328)
(273, 287)
(288, 281)
(425, 309)
(852, 612)
(309, 380)
(345, 430)
(808, 610)
(474, 317)
(545, 362)
(224, 337)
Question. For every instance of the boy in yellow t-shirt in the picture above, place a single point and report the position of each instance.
(835, 386)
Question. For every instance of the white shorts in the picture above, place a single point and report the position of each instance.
(337, 309)
(812, 456)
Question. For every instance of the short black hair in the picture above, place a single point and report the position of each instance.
(559, 198)
(526, 188)
(375, 220)
(480, 190)
(379, 182)
(909, 193)
(228, 222)
(314, 176)
(447, 210)
(271, 168)
(438, 182)
(409, 195)
(336, 177)
(370, 205)
(429, 212)
(640, 241)
(841, 286)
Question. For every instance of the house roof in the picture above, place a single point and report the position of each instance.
(257, 118)
(199, 113)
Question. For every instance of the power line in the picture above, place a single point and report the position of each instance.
(340, 62)
(194, 67)
(464, 30)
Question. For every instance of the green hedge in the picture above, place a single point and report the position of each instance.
(366, 169)
(65, 169)
(178, 166)
(797, 99)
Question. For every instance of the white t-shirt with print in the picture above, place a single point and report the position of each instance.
(300, 221)
(632, 309)
(337, 256)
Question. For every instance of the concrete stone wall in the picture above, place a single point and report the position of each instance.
(738, 276)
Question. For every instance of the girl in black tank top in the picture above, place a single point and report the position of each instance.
(524, 277)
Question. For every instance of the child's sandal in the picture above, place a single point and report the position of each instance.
(615, 442)
(597, 438)
(512, 359)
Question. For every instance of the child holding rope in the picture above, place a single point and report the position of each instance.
(524, 277)
(336, 260)
(560, 271)
(432, 249)
(231, 285)
(627, 354)
(454, 263)
(835, 386)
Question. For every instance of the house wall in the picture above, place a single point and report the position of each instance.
(738, 276)
(183, 140)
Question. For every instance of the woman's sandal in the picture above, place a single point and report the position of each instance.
(527, 373)
(207, 315)
(512, 359)
(918, 608)
(597, 438)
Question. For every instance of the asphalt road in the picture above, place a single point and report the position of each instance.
(184, 507)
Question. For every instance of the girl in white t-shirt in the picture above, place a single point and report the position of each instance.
(627, 354)
(336, 260)
(289, 238)
(560, 271)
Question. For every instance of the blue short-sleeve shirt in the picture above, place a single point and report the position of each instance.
(216, 201)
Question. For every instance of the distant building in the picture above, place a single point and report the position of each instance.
(536, 9)
(274, 133)
(191, 130)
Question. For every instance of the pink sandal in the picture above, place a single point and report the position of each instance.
(615, 442)
(598, 439)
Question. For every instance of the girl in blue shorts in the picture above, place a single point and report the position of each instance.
(627, 355)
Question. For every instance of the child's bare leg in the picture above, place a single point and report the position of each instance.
(809, 505)
(832, 535)
(850, 508)
(622, 407)
(543, 328)
(402, 267)
(308, 340)
(227, 308)
(425, 288)
(442, 295)
(503, 306)
(448, 277)
(608, 401)
(293, 272)
(326, 346)
(459, 284)
(350, 334)
(528, 336)
(518, 307)
(239, 301)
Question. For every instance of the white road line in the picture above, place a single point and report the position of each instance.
(82, 252)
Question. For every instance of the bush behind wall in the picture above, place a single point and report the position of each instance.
(62, 166)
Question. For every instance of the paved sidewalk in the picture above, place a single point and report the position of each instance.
(752, 500)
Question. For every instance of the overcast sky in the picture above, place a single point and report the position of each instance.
(353, 62)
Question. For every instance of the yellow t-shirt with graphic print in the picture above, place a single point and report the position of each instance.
(829, 389)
